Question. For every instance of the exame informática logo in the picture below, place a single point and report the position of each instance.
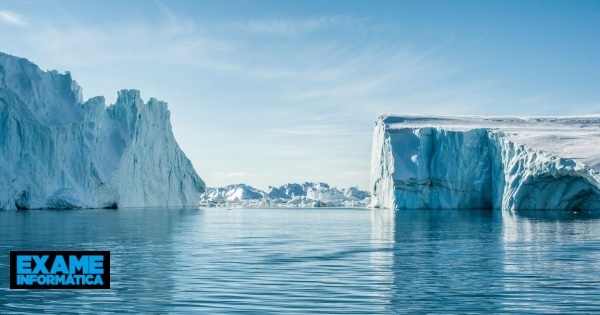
(60, 269)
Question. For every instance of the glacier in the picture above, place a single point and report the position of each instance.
(58, 151)
(475, 162)
(305, 195)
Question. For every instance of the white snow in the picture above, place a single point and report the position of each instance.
(486, 162)
(289, 195)
(58, 152)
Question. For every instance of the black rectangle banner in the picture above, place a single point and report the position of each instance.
(48, 269)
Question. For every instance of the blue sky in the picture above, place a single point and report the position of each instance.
(270, 92)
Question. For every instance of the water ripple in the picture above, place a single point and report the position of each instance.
(335, 261)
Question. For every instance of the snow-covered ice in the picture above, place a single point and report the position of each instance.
(455, 162)
(289, 195)
(58, 151)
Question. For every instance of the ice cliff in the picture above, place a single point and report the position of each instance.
(486, 163)
(288, 195)
(60, 152)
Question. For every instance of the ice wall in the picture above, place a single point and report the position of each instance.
(481, 162)
(58, 152)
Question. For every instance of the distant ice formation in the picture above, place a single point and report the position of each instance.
(60, 152)
(486, 162)
(288, 195)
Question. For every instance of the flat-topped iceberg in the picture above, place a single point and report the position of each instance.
(60, 152)
(486, 162)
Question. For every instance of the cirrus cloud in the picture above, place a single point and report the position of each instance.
(12, 18)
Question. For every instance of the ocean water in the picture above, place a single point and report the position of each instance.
(299, 261)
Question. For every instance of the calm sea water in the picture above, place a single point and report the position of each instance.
(315, 261)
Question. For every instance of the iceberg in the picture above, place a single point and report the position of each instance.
(58, 151)
(304, 195)
(471, 162)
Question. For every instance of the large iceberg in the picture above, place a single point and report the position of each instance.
(486, 162)
(304, 195)
(60, 152)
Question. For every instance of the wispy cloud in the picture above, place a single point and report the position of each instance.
(294, 27)
(166, 42)
(12, 18)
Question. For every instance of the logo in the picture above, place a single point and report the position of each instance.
(60, 269)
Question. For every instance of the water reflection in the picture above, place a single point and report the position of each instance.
(494, 262)
(382, 256)
(316, 261)
(552, 260)
(139, 240)
(445, 261)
